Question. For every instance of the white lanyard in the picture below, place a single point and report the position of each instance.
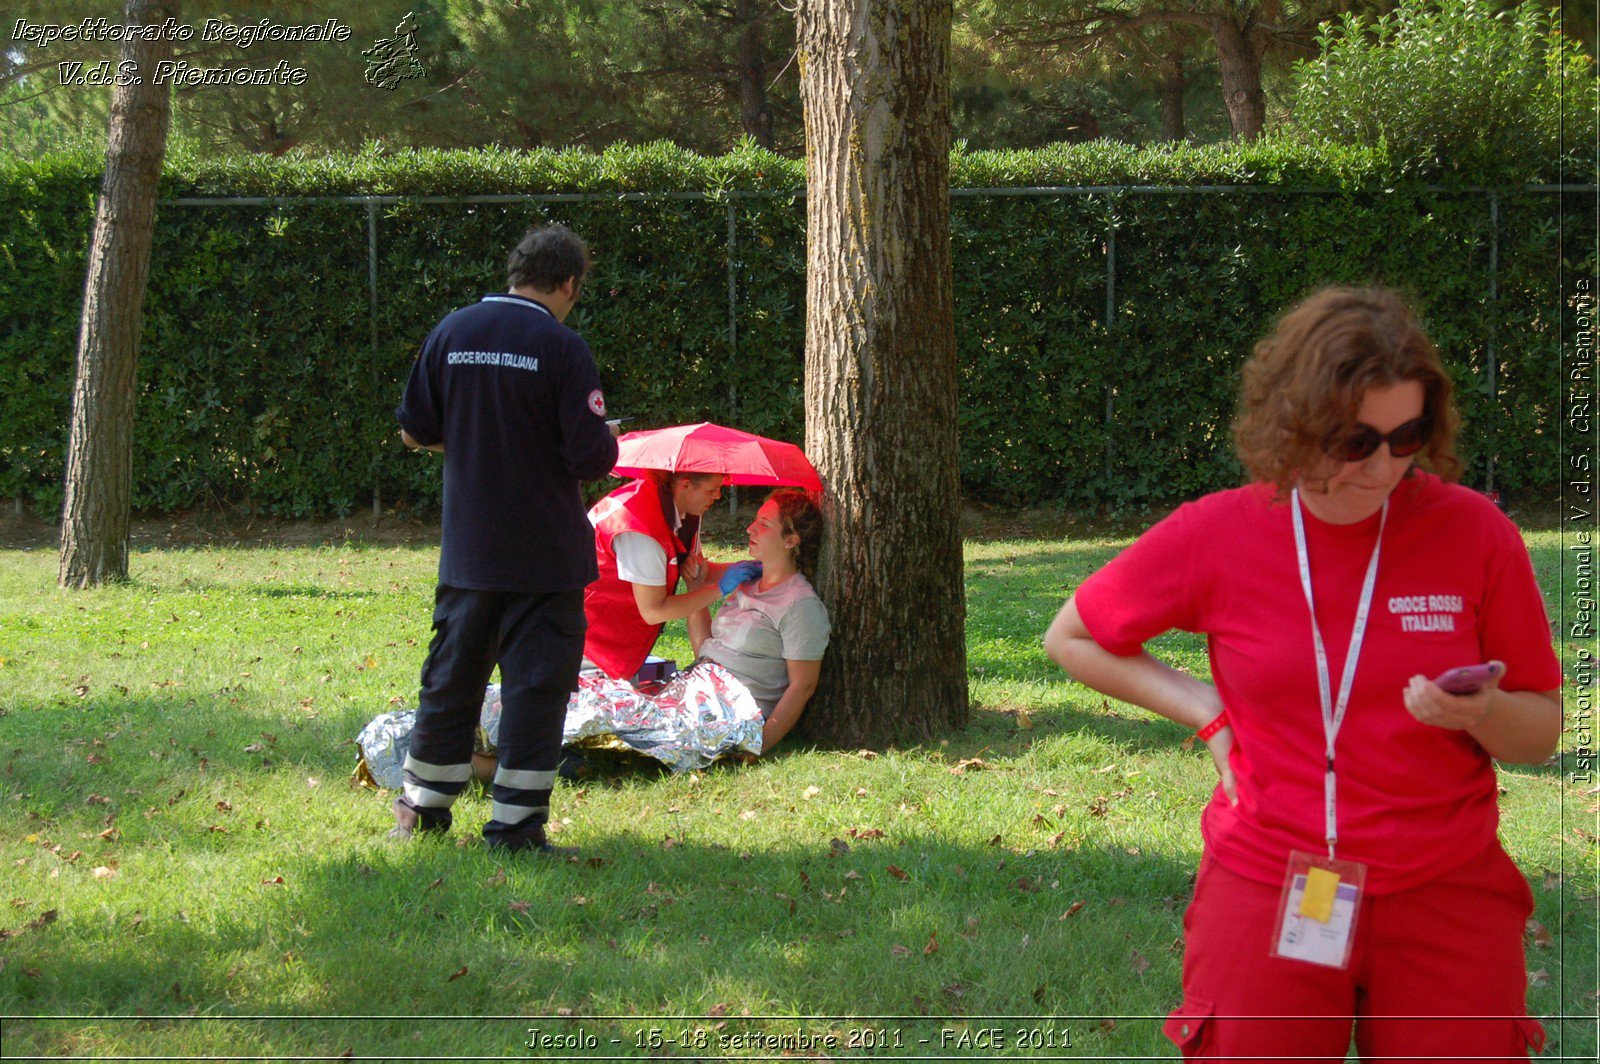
(1333, 715)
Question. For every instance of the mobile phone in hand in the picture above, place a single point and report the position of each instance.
(1469, 679)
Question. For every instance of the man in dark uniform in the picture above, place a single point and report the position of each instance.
(511, 397)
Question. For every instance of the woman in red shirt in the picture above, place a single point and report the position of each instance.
(1351, 875)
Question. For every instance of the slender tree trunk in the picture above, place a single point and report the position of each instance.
(880, 366)
(94, 523)
(754, 114)
(1239, 52)
(1173, 83)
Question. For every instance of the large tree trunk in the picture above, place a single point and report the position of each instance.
(880, 367)
(754, 114)
(94, 524)
(1173, 84)
(1239, 52)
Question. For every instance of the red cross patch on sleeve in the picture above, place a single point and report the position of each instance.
(597, 403)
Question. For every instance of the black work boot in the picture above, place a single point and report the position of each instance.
(527, 839)
(409, 820)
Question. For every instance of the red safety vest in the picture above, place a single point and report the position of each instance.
(619, 639)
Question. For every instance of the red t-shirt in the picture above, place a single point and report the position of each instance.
(1455, 586)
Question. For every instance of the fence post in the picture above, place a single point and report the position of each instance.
(372, 322)
(1111, 321)
(1494, 296)
(733, 345)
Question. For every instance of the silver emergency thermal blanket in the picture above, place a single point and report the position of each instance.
(383, 744)
(698, 716)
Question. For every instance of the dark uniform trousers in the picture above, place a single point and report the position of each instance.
(537, 640)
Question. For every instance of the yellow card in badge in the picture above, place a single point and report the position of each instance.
(1321, 888)
(1317, 910)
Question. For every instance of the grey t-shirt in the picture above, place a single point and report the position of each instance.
(756, 632)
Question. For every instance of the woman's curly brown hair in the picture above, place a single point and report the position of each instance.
(1304, 385)
(801, 517)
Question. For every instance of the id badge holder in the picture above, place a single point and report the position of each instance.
(1317, 911)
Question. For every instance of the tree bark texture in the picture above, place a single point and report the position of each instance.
(1239, 53)
(881, 368)
(1173, 83)
(94, 523)
(754, 114)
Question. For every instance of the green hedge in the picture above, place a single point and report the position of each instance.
(261, 386)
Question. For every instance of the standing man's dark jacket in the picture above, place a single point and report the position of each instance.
(516, 398)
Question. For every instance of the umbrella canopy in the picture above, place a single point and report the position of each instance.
(742, 457)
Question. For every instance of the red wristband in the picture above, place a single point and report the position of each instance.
(1216, 725)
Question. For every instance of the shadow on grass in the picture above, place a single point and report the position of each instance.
(903, 927)
(438, 947)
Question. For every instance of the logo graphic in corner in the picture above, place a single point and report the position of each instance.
(597, 403)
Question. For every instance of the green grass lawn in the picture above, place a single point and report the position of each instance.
(190, 869)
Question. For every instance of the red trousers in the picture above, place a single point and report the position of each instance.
(1436, 970)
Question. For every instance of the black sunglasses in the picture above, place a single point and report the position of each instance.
(1404, 440)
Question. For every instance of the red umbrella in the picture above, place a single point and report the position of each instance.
(742, 457)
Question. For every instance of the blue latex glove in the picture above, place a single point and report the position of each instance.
(736, 574)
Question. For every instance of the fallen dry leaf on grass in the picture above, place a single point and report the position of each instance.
(498, 878)
(1138, 963)
(900, 951)
(274, 881)
(104, 872)
(898, 872)
(718, 1010)
(457, 974)
(519, 906)
(933, 945)
(44, 919)
(1538, 934)
(810, 793)
(1072, 910)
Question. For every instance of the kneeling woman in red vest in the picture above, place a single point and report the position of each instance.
(772, 630)
(646, 533)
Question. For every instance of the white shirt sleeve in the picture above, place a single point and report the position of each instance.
(640, 559)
